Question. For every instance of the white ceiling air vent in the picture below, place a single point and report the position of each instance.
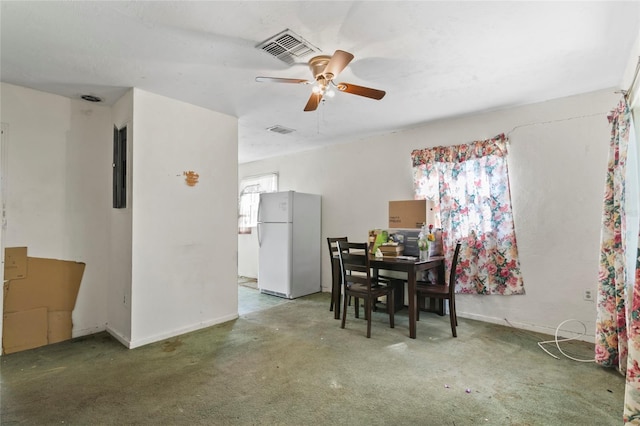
(280, 129)
(287, 46)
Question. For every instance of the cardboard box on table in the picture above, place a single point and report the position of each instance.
(406, 218)
(38, 307)
(407, 214)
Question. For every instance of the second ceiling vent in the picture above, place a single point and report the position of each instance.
(280, 129)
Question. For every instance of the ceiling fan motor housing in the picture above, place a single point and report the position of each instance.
(317, 65)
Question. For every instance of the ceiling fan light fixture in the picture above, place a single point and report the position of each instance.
(324, 69)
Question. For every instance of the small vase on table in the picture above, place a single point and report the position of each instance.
(424, 254)
(424, 245)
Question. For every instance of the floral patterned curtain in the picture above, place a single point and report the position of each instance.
(471, 185)
(618, 307)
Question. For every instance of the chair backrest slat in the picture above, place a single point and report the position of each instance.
(354, 261)
(333, 244)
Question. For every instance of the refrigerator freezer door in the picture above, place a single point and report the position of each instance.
(275, 207)
(274, 265)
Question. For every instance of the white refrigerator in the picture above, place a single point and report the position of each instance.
(289, 238)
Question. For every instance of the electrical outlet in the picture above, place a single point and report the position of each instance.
(587, 294)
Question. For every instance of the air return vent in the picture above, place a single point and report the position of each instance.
(280, 129)
(287, 46)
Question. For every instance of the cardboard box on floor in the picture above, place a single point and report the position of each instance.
(38, 305)
(15, 263)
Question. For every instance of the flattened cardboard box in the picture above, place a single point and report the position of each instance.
(59, 326)
(34, 328)
(50, 283)
(51, 286)
(24, 330)
(15, 263)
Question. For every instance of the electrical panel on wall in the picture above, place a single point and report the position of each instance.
(119, 167)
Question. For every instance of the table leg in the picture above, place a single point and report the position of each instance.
(413, 302)
(337, 288)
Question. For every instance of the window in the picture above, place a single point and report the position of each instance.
(471, 184)
(250, 190)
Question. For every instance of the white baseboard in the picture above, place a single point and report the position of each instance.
(179, 331)
(530, 327)
(119, 337)
(87, 331)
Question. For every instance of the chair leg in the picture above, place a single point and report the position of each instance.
(391, 308)
(357, 301)
(331, 304)
(344, 312)
(452, 318)
(453, 302)
(368, 313)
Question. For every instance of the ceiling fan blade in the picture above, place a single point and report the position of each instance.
(281, 80)
(367, 92)
(337, 63)
(313, 102)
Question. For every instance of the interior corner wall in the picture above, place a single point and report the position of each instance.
(184, 238)
(120, 223)
(55, 189)
(557, 164)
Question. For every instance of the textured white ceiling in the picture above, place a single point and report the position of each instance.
(434, 59)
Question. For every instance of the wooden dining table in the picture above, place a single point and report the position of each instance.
(409, 266)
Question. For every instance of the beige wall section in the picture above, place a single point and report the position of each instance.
(55, 192)
(557, 162)
(184, 237)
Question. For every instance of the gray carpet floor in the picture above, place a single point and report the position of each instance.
(286, 362)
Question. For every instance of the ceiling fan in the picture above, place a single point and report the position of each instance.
(324, 69)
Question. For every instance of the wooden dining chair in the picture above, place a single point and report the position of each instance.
(332, 242)
(445, 291)
(357, 281)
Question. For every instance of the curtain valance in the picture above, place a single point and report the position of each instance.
(459, 153)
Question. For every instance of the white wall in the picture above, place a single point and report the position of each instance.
(184, 249)
(56, 189)
(557, 162)
(87, 202)
(120, 234)
(166, 264)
